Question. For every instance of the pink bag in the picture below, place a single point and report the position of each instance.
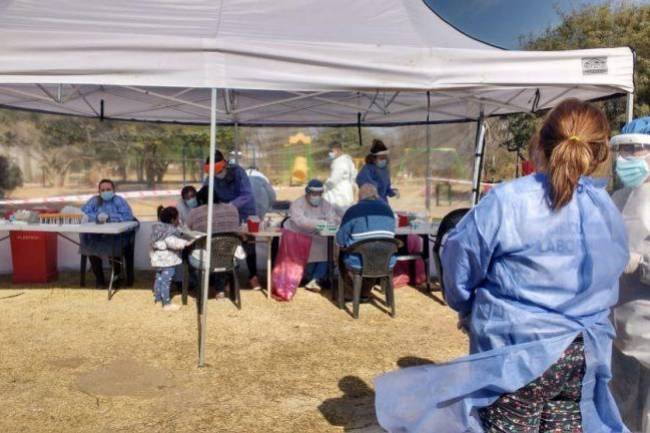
(402, 270)
(290, 264)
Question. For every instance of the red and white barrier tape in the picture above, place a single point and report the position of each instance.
(158, 193)
(86, 197)
(460, 181)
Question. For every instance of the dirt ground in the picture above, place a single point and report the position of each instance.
(71, 361)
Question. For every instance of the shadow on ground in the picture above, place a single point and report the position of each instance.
(355, 409)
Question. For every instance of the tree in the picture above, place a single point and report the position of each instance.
(63, 142)
(10, 176)
(599, 26)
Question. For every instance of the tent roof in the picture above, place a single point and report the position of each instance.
(314, 62)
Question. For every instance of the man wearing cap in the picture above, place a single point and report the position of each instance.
(231, 185)
(307, 214)
(376, 171)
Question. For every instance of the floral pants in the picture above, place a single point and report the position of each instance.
(550, 404)
(162, 284)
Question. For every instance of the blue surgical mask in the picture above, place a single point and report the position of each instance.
(191, 203)
(382, 163)
(331, 155)
(107, 195)
(632, 171)
(221, 174)
(314, 200)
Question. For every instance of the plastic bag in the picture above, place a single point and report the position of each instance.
(290, 264)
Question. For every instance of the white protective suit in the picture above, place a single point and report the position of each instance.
(631, 358)
(303, 218)
(339, 188)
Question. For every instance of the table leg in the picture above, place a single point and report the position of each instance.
(112, 277)
(269, 282)
(186, 281)
(330, 265)
(82, 269)
(427, 260)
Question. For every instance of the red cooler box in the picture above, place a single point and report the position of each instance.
(34, 257)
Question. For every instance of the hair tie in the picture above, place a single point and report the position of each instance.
(575, 138)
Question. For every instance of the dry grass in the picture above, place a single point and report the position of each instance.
(71, 361)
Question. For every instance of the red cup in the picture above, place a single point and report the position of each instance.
(253, 226)
(403, 220)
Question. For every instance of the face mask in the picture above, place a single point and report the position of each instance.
(221, 174)
(314, 200)
(331, 155)
(191, 203)
(107, 195)
(632, 171)
(382, 163)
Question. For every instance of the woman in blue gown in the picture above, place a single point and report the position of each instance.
(533, 272)
(106, 207)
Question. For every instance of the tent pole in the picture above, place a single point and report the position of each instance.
(237, 143)
(429, 168)
(203, 310)
(629, 112)
(478, 157)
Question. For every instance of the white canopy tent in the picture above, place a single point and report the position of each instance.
(285, 62)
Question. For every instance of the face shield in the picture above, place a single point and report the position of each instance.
(632, 163)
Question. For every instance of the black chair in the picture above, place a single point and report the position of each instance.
(125, 258)
(375, 263)
(449, 222)
(223, 261)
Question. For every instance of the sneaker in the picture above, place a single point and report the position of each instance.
(313, 286)
(171, 307)
(220, 294)
(254, 284)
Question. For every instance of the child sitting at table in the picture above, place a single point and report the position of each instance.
(166, 247)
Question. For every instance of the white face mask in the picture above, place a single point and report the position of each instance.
(221, 174)
(331, 154)
(314, 200)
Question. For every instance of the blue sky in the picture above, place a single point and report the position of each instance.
(501, 22)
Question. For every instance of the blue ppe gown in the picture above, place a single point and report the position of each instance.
(530, 280)
(379, 177)
(102, 245)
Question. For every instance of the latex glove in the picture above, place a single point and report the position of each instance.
(644, 267)
(397, 194)
(320, 226)
(633, 264)
(102, 218)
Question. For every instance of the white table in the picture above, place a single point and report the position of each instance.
(266, 236)
(86, 228)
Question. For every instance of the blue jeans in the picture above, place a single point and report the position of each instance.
(316, 271)
(161, 286)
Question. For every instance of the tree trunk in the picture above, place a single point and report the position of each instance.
(121, 169)
(60, 178)
(139, 168)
